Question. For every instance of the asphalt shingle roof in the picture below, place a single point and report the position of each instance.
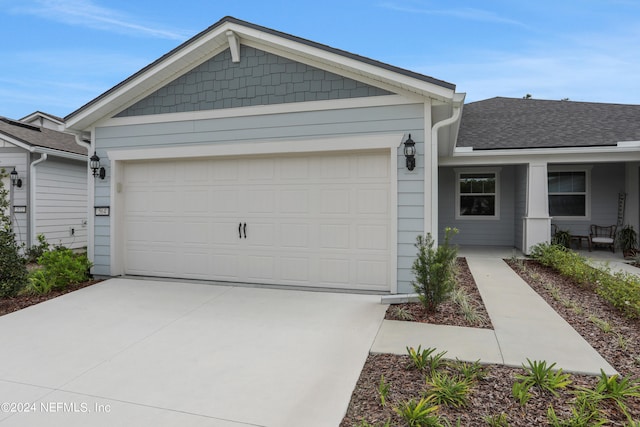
(40, 137)
(508, 123)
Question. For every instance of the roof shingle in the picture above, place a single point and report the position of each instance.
(40, 137)
(508, 123)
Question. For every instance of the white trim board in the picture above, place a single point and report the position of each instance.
(348, 143)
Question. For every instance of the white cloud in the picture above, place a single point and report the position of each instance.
(466, 13)
(87, 13)
(582, 67)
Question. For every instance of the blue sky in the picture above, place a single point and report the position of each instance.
(57, 55)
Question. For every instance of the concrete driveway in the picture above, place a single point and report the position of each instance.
(153, 353)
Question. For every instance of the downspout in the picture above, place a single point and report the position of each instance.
(457, 109)
(32, 197)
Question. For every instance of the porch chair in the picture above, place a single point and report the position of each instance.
(603, 236)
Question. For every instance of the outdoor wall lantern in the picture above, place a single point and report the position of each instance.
(94, 164)
(15, 179)
(410, 153)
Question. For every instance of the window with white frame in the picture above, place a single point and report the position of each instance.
(568, 193)
(477, 194)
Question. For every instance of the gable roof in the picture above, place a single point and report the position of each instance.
(34, 137)
(515, 123)
(230, 31)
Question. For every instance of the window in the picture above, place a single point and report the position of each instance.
(568, 193)
(477, 194)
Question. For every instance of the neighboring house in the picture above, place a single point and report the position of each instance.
(520, 165)
(250, 155)
(50, 197)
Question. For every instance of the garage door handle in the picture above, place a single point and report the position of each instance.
(240, 230)
(245, 230)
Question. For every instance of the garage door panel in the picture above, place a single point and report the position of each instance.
(260, 234)
(373, 273)
(335, 271)
(294, 201)
(294, 235)
(165, 202)
(334, 201)
(195, 233)
(373, 237)
(225, 233)
(223, 201)
(312, 220)
(195, 202)
(295, 269)
(224, 266)
(260, 268)
(334, 236)
(373, 201)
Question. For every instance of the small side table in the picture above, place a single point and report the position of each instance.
(578, 240)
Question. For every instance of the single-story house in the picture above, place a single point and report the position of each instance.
(48, 182)
(520, 165)
(251, 155)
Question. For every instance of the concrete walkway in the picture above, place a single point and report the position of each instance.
(525, 326)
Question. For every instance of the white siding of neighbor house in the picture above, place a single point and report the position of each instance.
(607, 180)
(407, 118)
(10, 157)
(61, 202)
(480, 232)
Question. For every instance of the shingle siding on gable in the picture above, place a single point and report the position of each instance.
(260, 78)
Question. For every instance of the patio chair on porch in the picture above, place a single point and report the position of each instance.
(603, 236)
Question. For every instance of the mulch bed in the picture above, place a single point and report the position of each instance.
(493, 394)
(448, 312)
(9, 305)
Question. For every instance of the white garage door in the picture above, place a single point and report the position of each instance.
(313, 220)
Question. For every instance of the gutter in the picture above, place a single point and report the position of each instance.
(455, 116)
(32, 198)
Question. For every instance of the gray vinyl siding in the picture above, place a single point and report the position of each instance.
(11, 157)
(478, 232)
(293, 126)
(520, 204)
(61, 202)
(607, 180)
(260, 78)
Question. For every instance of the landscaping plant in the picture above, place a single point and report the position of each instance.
(418, 413)
(59, 268)
(425, 359)
(544, 377)
(13, 270)
(446, 389)
(620, 289)
(434, 269)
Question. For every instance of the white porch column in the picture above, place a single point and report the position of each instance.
(537, 222)
(632, 204)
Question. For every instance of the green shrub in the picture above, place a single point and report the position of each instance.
(418, 413)
(36, 251)
(434, 270)
(620, 289)
(425, 359)
(543, 376)
(13, 270)
(450, 390)
(60, 268)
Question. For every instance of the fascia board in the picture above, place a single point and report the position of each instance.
(555, 155)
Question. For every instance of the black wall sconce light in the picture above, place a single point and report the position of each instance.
(94, 164)
(16, 181)
(410, 153)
